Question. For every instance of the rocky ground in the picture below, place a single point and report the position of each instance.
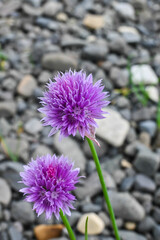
(40, 38)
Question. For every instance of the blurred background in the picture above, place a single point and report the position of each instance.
(117, 41)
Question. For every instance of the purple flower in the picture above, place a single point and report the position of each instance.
(49, 180)
(72, 103)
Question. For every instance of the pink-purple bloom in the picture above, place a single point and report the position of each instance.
(72, 103)
(49, 181)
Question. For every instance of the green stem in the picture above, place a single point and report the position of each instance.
(67, 225)
(104, 188)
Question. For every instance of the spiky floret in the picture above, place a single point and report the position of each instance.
(49, 180)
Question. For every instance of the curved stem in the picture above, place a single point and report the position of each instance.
(67, 225)
(104, 188)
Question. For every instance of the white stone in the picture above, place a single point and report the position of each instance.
(95, 224)
(113, 128)
(71, 149)
(5, 192)
(143, 73)
(153, 93)
(125, 10)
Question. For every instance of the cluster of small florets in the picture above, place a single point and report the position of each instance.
(71, 104)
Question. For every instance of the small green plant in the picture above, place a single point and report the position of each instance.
(13, 156)
(158, 115)
(139, 90)
(86, 229)
(3, 59)
(7, 150)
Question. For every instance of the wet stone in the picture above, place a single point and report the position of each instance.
(147, 162)
(58, 62)
(90, 207)
(22, 211)
(14, 234)
(13, 179)
(146, 225)
(41, 150)
(21, 151)
(128, 235)
(33, 126)
(71, 149)
(125, 10)
(156, 232)
(92, 186)
(127, 184)
(148, 126)
(7, 108)
(144, 183)
(5, 192)
(95, 52)
(126, 207)
(51, 8)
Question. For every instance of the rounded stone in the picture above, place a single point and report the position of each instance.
(27, 86)
(95, 224)
(5, 192)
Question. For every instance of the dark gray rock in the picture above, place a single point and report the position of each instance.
(147, 162)
(69, 147)
(119, 77)
(1, 214)
(101, 151)
(156, 232)
(68, 41)
(7, 109)
(47, 23)
(157, 179)
(90, 207)
(22, 211)
(157, 197)
(126, 207)
(14, 234)
(118, 45)
(13, 178)
(148, 126)
(146, 225)
(3, 235)
(59, 62)
(111, 164)
(73, 219)
(144, 183)
(95, 52)
(128, 235)
(156, 214)
(145, 113)
(127, 184)
(92, 185)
